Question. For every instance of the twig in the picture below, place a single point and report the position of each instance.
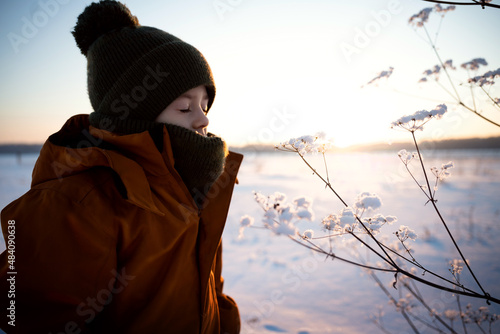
(422, 301)
(414, 179)
(433, 273)
(461, 314)
(388, 294)
(482, 4)
(433, 202)
(478, 114)
(345, 204)
(482, 330)
(446, 90)
(326, 168)
(490, 97)
(335, 257)
(459, 101)
(442, 64)
(439, 330)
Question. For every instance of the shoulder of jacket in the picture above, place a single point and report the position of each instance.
(79, 186)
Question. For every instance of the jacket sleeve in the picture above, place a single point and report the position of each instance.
(64, 268)
(228, 309)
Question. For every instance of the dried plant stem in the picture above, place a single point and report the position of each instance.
(328, 184)
(424, 304)
(387, 258)
(479, 326)
(490, 97)
(433, 202)
(446, 90)
(461, 317)
(335, 257)
(457, 285)
(388, 294)
(457, 97)
(473, 3)
(478, 114)
(442, 64)
(414, 179)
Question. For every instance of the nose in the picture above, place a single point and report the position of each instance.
(200, 122)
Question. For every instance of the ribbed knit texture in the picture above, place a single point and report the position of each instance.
(198, 159)
(134, 72)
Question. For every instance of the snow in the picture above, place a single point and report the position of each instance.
(487, 78)
(422, 17)
(416, 120)
(282, 287)
(367, 200)
(474, 64)
(382, 74)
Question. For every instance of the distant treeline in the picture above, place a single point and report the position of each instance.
(448, 144)
(20, 148)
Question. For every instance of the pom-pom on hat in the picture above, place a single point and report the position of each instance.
(134, 72)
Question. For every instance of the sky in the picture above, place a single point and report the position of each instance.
(283, 68)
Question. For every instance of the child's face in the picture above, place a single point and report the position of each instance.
(188, 110)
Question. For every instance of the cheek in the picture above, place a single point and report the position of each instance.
(161, 118)
(176, 118)
(168, 116)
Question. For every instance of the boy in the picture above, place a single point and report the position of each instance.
(121, 229)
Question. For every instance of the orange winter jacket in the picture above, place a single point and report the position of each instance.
(109, 240)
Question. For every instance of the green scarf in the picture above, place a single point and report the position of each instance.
(198, 159)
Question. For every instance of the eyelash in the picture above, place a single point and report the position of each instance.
(188, 110)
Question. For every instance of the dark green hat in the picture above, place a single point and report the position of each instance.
(134, 72)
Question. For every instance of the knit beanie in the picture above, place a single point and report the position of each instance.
(134, 72)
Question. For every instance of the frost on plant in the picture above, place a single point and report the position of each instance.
(487, 78)
(479, 316)
(474, 64)
(308, 234)
(407, 157)
(404, 233)
(404, 303)
(245, 221)
(376, 222)
(436, 70)
(449, 64)
(337, 223)
(456, 266)
(368, 201)
(348, 221)
(383, 74)
(439, 9)
(422, 17)
(416, 121)
(451, 314)
(306, 144)
(280, 216)
(444, 172)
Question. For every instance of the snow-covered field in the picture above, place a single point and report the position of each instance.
(282, 287)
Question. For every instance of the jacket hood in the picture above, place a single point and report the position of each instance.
(134, 158)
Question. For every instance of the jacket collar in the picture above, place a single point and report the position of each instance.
(135, 159)
(78, 147)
